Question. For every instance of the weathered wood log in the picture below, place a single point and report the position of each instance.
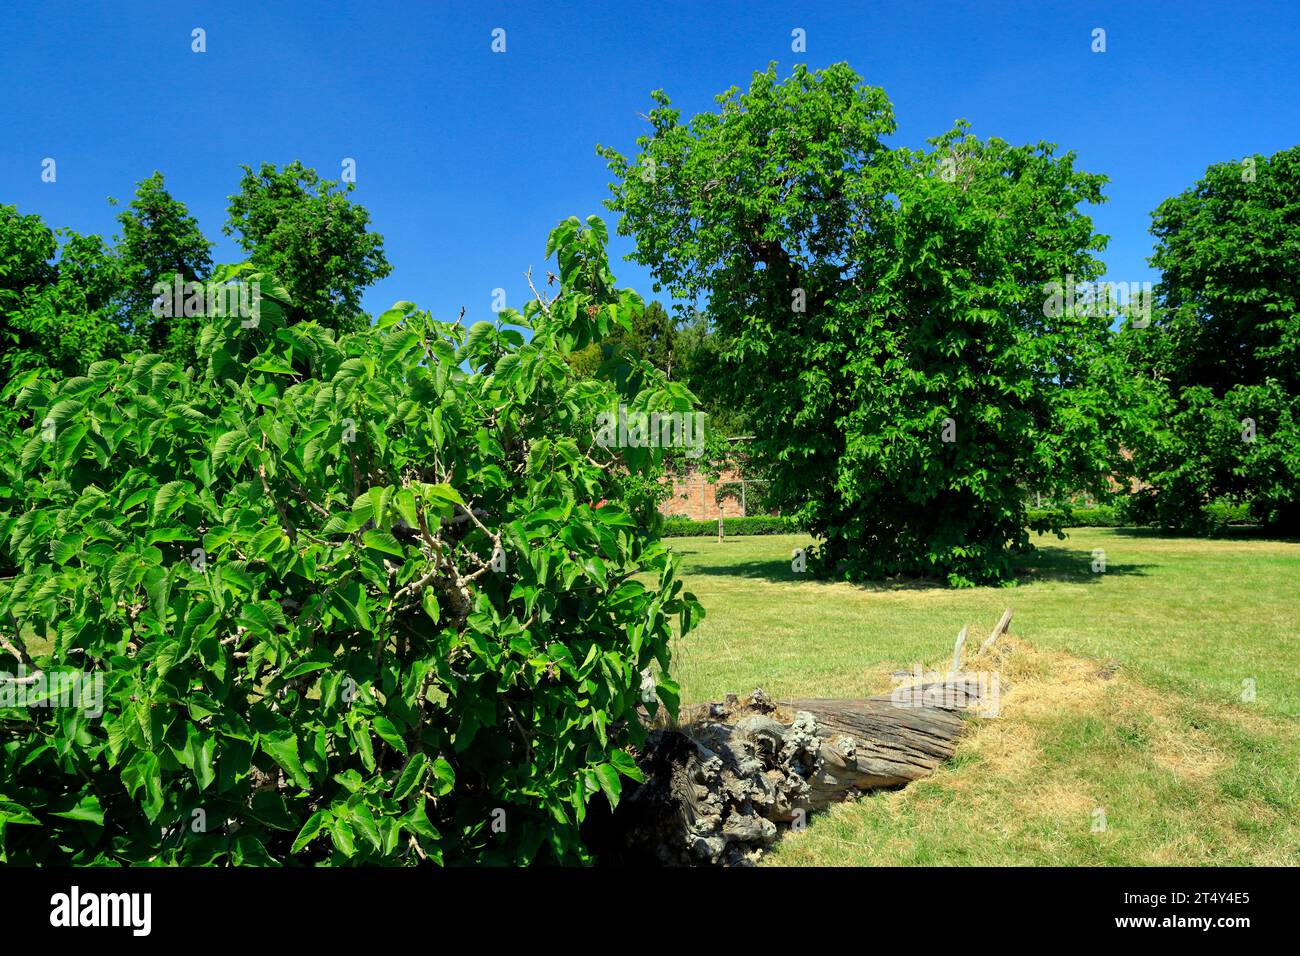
(720, 782)
(873, 742)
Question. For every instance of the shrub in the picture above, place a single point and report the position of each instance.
(1221, 514)
(750, 524)
(1100, 516)
(349, 601)
(1213, 518)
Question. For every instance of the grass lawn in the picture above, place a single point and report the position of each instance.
(1122, 697)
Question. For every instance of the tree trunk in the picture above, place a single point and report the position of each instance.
(719, 785)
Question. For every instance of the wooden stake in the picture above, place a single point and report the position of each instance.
(1004, 623)
(956, 651)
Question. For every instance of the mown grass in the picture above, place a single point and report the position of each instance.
(1122, 697)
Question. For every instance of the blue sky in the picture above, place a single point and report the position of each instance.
(467, 158)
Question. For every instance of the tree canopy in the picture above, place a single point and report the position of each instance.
(68, 300)
(1220, 362)
(306, 231)
(160, 240)
(880, 314)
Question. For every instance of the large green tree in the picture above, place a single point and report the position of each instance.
(306, 231)
(1220, 362)
(881, 315)
(161, 240)
(60, 297)
(654, 336)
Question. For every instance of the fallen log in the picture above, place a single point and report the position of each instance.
(721, 782)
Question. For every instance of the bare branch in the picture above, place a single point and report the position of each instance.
(541, 300)
(18, 650)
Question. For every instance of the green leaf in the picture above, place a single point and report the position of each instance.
(167, 499)
(282, 747)
(11, 812)
(204, 771)
(343, 839)
(445, 776)
(226, 444)
(411, 776)
(383, 541)
(363, 822)
(626, 765)
(120, 572)
(430, 603)
(87, 810)
(404, 501)
(306, 667)
(416, 821)
(387, 731)
(607, 775)
(310, 830)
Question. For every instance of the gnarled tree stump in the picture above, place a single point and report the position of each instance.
(720, 783)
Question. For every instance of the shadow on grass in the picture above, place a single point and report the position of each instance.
(1050, 563)
(1072, 566)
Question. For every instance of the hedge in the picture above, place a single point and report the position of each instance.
(1097, 516)
(1220, 515)
(752, 524)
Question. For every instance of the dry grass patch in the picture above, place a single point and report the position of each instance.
(1085, 765)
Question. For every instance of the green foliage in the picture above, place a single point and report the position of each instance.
(749, 524)
(653, 336)
(357, 598)
(60, 305)
(1219, 514)
(305, 230)
(1047, 519)
(1216, 517)
(1219, 366)
(869, 302)
(64, 306)
(26, 247)
(683, 353)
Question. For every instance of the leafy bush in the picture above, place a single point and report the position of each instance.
(750, 524)
(1212, 518)
(1221, 514)
(1130, 510)
(349, 601)
(1100, 516)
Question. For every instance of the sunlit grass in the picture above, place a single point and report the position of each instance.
(1124, 699)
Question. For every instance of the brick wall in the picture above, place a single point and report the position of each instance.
(695, 497)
